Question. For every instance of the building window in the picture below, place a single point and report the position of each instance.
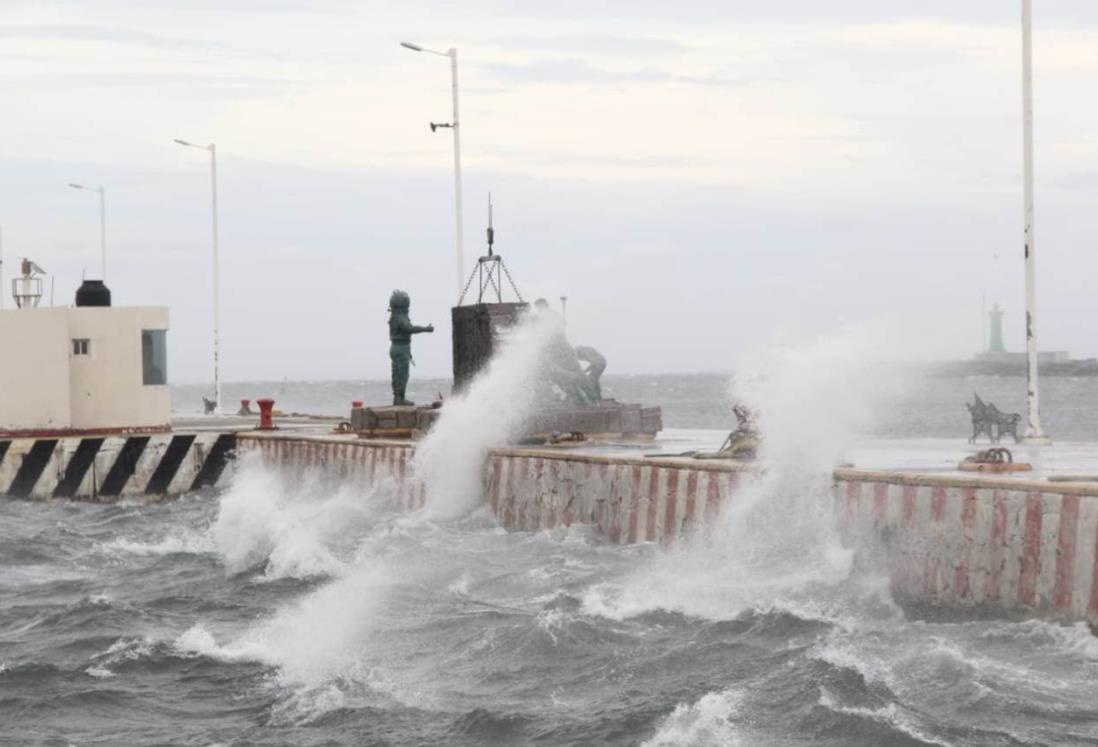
(154, 356)
(81, 346)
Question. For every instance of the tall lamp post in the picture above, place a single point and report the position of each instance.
(102, 226)
(212, 148)
(1034, 434)
(454, 125)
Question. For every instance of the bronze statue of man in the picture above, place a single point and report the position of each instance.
(401, 330)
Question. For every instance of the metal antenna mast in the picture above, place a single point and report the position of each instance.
(490, 270)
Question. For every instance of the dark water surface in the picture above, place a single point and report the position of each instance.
(290, 610)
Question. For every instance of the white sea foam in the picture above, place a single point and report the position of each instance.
(709, 721)
(847, 654)
(100, 673)
(308, 704)
(489, 413)
(122, 650)
(460, 587)
(1041, 635)
(981, 666)
(551, 622)
(890, 715)
(187, 542)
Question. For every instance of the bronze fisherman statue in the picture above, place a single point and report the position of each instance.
(401, 330)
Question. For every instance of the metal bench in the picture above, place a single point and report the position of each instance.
(990, 420)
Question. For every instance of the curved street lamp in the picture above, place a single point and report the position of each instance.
(102, 225)
(453, 55)
(212, 148)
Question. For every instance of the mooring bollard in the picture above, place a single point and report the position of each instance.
(266, 419)
(356, 403)
(245, 407)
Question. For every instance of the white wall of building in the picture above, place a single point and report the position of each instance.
(34, 369)
(58, 390)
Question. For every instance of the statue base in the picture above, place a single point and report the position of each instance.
(392, 421)
(607, 420)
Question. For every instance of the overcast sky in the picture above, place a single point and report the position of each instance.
(699, 178)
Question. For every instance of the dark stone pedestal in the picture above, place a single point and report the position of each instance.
(392, 421)
(609, 418)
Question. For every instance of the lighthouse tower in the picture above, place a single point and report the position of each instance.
(995, 344)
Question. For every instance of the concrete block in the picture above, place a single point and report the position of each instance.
(476, 330)
(631, 419)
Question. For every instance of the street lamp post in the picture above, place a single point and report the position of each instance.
(1034, 434)
(454, 125)
(102, 225)
(212, 148)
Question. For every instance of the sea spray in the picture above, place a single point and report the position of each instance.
(313, 641)
(773, 544)
(288, 528)
(810, 401)
(491, 412)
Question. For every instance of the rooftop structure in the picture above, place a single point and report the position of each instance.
(84, 369)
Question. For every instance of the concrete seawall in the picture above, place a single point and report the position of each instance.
(1002, 546)
(1013, 546)
(364, 463)
(106, 468)
(629, 499)
(999, 545)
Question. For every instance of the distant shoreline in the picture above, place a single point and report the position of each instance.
(1085, 367)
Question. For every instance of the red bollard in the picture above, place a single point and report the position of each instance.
(266, 421)
(245, 407)
(356, 403)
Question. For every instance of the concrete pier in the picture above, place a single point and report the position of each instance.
(972, 545)
(1015, 546)
(108, 468)
(1012, 546)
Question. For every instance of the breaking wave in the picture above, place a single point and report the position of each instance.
(289, 529)
(490, 413)
(775, 541)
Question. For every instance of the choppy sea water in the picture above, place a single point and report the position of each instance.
(311, 614)
(288, 609)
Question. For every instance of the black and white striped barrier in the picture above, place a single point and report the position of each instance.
(111, 467)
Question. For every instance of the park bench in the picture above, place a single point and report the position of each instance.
(990, 420)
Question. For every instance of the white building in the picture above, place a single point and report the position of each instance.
(84, 369)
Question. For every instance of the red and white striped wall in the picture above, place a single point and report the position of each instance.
(1014, 546)
(628, 499)
(1007, 544)
(368, 463)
